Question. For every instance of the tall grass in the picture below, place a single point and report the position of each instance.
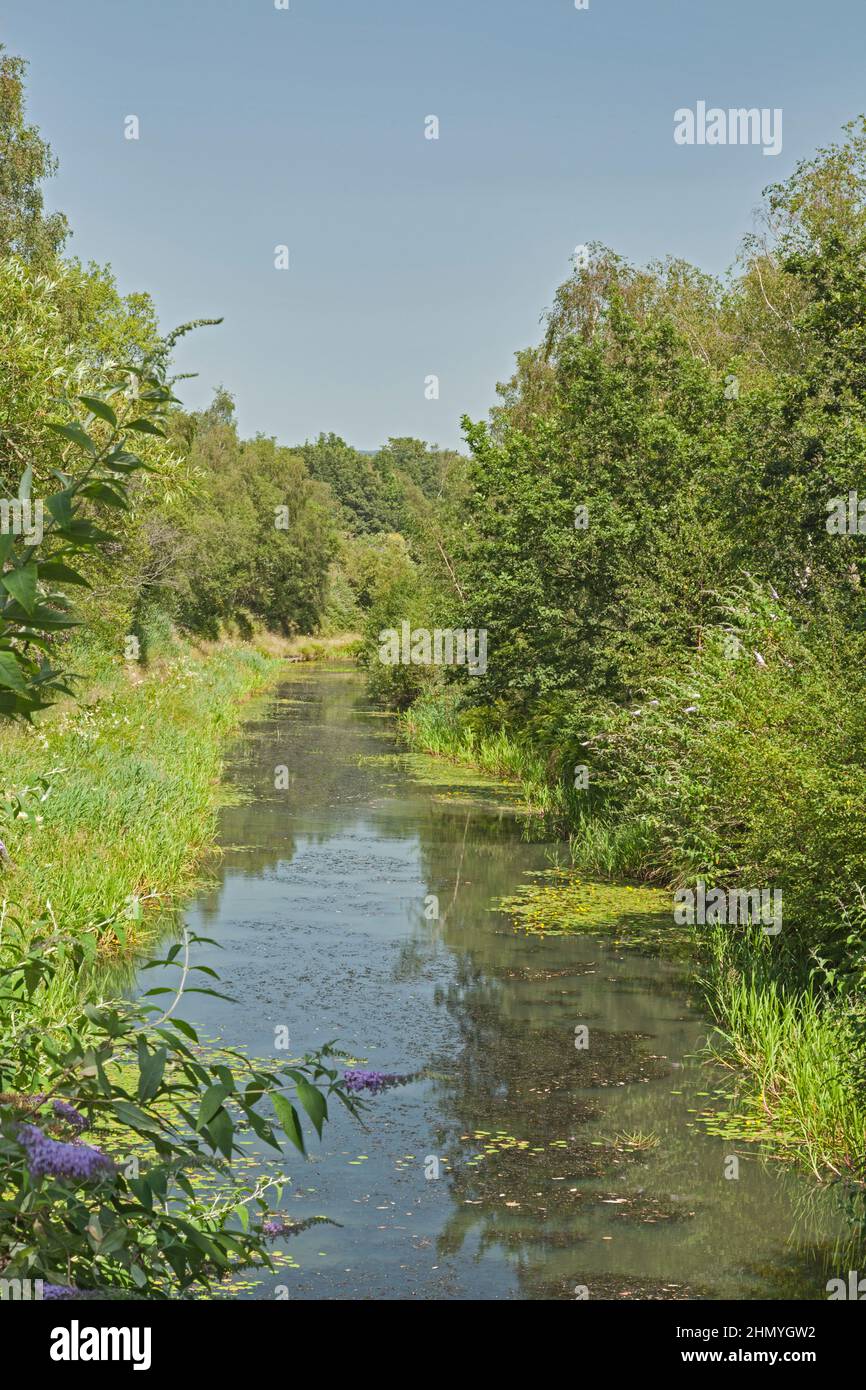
(133, 778)
(597, 843)
(431, 726)
(610, 848)
(799, 1051)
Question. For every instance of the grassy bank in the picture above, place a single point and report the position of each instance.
(109, 804)
(112, 809)
(795, 1054)
(435, 725)
(790, 1024)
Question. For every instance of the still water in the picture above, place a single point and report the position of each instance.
(560, 1170)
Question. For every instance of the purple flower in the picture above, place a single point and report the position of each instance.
(374, 1081)
(58, 1291)
(281, 1225)
(50, 1158)
(64, 1111)
(358, 1080)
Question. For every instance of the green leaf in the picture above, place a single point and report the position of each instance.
(142, 1189)
(220, 1131)
(83, 533)
(145, 427)
(100, 408)
(60, 507)
(10, 673)
(55, 569)
(51, 619)
(103, 492)
(26, 483)
(77, 436)
(21, 584)
(314, 1103)
(134, 1117)
(210, 1103)
(122, 461)
(151, 1066)
(261, 1127)
(205, 1243)
(114, 1241)
(288, 1118)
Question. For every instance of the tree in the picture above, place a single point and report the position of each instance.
(26, 230)
(354, 480)
(255, 537)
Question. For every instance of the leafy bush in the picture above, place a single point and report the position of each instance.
(149, 1204)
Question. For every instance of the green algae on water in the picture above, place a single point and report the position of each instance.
(559, 902)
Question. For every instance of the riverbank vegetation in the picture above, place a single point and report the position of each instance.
(114, 799)
(120, 1130)
(657, 536)
(658, 528)
(155, 570)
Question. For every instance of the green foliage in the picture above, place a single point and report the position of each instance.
(97, 467)
(165, 1211)
(798, 1051)
(67, 334)
(120, 793)
(26, 230)
(148, 515)
(382, 492)
(391, 589)
(600, 604)
(366, 503)
(747, 766)
(696, 640)
(66, 331)
(253, 534)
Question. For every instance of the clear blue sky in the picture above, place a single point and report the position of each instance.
(408, 257)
